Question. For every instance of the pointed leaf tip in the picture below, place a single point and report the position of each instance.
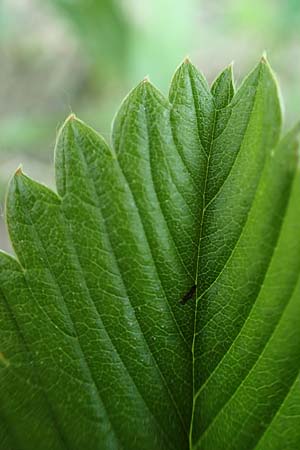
(19, 171)
(144, 88)
(67, 125)
(69, 120)
(230, 66)
(264, 58)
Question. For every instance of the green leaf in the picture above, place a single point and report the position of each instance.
(196, 192)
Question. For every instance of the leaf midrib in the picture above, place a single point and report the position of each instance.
(197, 266)
(204, 209)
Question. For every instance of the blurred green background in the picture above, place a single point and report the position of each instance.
(59, 56)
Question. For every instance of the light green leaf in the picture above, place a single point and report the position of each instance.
(96, 349)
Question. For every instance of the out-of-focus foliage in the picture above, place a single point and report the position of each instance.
(102, 29)
(275, 19)
(131, 36)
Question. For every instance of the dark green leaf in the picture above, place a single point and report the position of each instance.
(196, 193)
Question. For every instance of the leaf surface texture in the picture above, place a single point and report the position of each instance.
(97, 351)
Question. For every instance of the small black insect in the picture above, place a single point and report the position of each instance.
(188, 295)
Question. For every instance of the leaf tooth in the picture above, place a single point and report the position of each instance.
(223, 88)
(264, 58)
(76, 143)
(146, 90)
(25, 183)
(145, 97)
(19, 170)
(183, 75)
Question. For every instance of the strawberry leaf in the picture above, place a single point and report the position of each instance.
(154, 299)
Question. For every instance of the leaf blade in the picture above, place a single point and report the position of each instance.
(195, 194)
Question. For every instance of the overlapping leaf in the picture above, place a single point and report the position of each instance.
(96, 349)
